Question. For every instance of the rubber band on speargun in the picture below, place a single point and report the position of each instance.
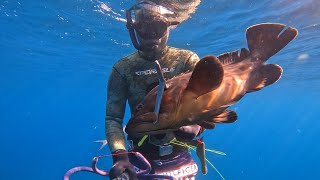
(94, 169)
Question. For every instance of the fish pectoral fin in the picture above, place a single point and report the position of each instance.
(227, 116)
(264, 76)
(206, 76)
(265, 40)
(207, 124)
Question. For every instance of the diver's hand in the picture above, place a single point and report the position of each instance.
(122, 165)
(123, 176)
(188, 133)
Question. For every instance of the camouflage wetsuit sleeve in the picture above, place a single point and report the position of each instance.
(116, 103)
(191, 62)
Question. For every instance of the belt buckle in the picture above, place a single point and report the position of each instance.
(165, 150)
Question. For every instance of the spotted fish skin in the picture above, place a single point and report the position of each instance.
(202, 96)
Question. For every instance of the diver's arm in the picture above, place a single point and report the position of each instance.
(191, 62)
(116, 103)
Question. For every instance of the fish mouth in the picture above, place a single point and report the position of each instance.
(146, 118)
(145, 125)
(138, 130)
(138, 124)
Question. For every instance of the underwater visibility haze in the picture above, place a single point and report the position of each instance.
(56, 57)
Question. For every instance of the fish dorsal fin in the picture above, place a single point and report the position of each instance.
(206, 76)
(234, 56)
(265, 40)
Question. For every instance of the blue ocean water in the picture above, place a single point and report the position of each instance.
(55, 61)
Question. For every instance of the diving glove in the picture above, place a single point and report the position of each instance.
(122, 166)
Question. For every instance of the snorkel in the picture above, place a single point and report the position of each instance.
(130, 27)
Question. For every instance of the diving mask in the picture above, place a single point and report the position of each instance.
(151, 29)
(150, 21)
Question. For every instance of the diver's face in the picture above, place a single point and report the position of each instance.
(152, 35)
(153, 45)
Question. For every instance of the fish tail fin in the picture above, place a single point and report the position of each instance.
(264, 76)
(265, 40)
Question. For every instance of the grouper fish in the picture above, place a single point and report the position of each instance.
(203, 95)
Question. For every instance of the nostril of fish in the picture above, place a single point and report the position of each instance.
(139, 106)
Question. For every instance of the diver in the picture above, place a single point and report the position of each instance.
(132, 77)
